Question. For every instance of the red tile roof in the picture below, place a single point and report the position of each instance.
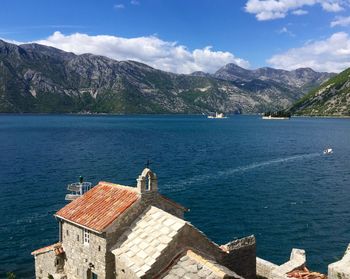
(57, 247)
(100, 206)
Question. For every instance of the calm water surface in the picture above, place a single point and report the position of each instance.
(239, 176)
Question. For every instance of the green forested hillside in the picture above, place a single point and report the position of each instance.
(330, 99)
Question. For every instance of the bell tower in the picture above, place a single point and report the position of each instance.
(147, 181)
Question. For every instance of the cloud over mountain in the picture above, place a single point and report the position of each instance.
(329, 55)
(164, 55)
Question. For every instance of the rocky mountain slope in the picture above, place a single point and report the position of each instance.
(330, 99)
(36, 78)
(302, 78)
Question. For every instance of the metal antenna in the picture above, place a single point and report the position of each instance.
(148, 164)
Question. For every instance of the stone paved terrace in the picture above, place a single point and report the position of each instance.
(193, 266)
(150, 234)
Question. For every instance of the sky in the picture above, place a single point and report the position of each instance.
(184, 36)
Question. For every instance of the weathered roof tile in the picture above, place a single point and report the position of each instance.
(100, 206)
(193, 265)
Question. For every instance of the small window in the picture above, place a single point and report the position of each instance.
(99, 248)
(77, 237)
(86, 236)
(67, 232)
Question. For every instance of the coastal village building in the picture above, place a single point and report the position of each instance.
(116, 231)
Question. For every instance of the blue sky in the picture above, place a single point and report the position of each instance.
(187, 35)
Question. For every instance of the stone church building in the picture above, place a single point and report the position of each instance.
(116, 231)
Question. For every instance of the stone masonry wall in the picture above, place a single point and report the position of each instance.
(80, 255)
(264, 268)
(45, 264)
(123, 272)
(340, 269)
(241, 257)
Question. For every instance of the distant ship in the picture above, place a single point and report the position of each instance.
(328, 151)
(217, 115)
(276, 115)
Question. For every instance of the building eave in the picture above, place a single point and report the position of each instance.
(77, 224)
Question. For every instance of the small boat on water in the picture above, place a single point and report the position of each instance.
(328, 151)
(217, 116)
(279, 115)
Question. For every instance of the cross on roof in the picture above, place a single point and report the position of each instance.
(148, 164)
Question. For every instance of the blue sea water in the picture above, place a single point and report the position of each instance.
(239, 176)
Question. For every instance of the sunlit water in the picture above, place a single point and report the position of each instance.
(239, 176)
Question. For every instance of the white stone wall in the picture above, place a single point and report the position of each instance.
(264, 268)
(80, 255)
(45, 264)
(340, 269)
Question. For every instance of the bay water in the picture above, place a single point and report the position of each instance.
(238, 176)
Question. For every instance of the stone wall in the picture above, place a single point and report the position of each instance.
(241, 257)
(123, 272)
(79, 255)
(340, 269)
(264, 268)
(45, 264)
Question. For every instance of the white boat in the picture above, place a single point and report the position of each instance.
(328, 151)
(275, 117)
(217, 115)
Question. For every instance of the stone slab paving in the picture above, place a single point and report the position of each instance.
(147, 237)
(194, 266)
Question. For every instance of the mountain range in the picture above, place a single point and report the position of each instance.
(38, 78)
(332, 98)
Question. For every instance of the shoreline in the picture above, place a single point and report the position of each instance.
(168, 114)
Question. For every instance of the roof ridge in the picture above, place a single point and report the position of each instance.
(124, 187)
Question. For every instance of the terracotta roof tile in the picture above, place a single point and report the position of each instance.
(49, 248)
(100, 206)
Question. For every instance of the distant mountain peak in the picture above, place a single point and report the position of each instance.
(38, 78)
(200, 74)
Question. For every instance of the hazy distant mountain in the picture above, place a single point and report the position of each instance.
(36, 78)
(331, 98)
(303, 78)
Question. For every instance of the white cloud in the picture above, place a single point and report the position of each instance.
(273, 9)
(331, 6)
(300, 12)
(285, 30)
(119, 6)
(329, 55)
(341, 21)
(164, 55)
(135, 2)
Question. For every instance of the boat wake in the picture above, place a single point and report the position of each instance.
(268, 163)
(226, 173)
